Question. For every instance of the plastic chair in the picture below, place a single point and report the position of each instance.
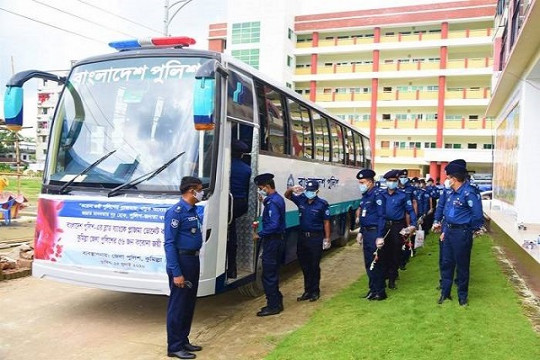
(5, 210)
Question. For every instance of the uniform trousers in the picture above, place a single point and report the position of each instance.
(391, 251)
(240, 207)
(309, 251)
(456, 255)
(376, 276)
(182, 303)
(273, 248)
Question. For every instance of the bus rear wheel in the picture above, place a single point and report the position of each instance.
(254, 288)
(345, 237)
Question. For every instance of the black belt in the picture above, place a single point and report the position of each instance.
(273, 236)
(308, 234)
(458, 226)
(368, 228)
(188, 252)
(392, 222)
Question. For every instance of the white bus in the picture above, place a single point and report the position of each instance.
(129, 125)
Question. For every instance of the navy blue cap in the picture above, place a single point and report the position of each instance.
(239, 146)
(263, 179)
(422, 181)
(455, 168)
(365, 174)
(392, 174)
(459, 162)
(188, 182)
(414, 179)
(403, 172)
(430, 179)
(312, 185)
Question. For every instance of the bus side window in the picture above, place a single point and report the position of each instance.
(273, 125)
(349, 147)
(359, 150)
(321, 136)
(337, 142)
(301, 140)
(239, 97)
(367, 152)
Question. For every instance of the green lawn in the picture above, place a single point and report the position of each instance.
(30, 187)
(411, 325)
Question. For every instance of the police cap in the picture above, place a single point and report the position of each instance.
(455, 168)
(422, 181)
(312, 185)
(403, 172)
(429, 180)
(189, 182)
(392, 174)
(238, 146)
(459, 162)
(263, 179)
(365, 174)
(414, 180)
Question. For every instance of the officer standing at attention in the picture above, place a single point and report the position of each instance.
(463, 216)
(273, 243)
(372, 226)
(433, 193)
(183, 239)
(406, 186)
(314, 236)
(239, 185)
(399, 214)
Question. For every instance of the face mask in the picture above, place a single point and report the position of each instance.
(262, 192)
(310, 194)
(403, 181)
(363, 188)
(199, 195)
(447, 184)
(391, 184)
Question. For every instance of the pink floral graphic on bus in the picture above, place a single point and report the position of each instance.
(47, 236)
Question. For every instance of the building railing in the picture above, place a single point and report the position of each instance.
(466, 63)
(397, 95)
(464, 123)
(422, 36)
(399, 152)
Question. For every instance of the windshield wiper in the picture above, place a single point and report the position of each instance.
(145, 177)
(87, 169)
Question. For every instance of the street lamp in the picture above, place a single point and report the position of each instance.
(167, 7)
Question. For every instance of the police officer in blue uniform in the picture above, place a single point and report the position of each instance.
(399, 214)
(433, 193)
(463, 216)
(313, 236)
(239, 186)
(405, 185)
(273, 243)
(372, 225)
(183, 239)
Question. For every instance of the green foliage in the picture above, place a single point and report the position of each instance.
(411, 325)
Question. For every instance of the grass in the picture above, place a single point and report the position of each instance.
(411, 325)
(30, 187)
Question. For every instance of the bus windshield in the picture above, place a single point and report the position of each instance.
(139, 108)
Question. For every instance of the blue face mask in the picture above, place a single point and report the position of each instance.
(310, 194)
(403, 181)
(391, 184)
(363, 188)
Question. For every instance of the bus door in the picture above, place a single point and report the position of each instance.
(243, 202)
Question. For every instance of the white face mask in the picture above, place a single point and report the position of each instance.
(447, 184)
(199, 195)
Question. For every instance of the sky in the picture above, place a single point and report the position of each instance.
(48, 34)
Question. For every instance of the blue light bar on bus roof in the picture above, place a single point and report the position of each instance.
(173, 41)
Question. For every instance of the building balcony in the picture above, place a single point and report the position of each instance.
(425, 156)
(399, 38)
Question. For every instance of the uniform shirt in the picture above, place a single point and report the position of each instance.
(240, 175)
(425, 199)
(182, 232)
(419, 197)
(443, 194)
(396, 204)
(433, 192)
(312, 215)
(372, 210)
(273, 218)
(463, 207)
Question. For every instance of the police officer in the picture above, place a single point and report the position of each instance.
(463, 216)
(399, 215)
(314, 236)
(433, 194)
(372, 226)
(273, 244)
(239, 185)
(405, 185)
(183, 239)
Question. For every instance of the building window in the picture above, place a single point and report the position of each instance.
(488, 146)
(413, 145)
(430, 145)
(290, 34)
(246, 33)
(472, 146)
(289, 61)
(289, 85)
(249, 56)
(385, 144)
(386, 117)
(473, 117)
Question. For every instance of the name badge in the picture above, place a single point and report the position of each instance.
(364, 212)
(193, 230)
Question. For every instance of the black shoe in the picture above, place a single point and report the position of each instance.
(379, 297)
(191, 347)
(463, 302)
(402, 267)
(182, 354)
(392, 284)
(368, 295)
(269, 311)
(442, 298)
(303, 297)
(314, 297)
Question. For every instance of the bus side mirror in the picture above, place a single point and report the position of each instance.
(204, 94)
(13, 107)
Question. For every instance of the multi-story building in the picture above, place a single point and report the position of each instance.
(515, 107)
(48, 93)
(416, 77)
